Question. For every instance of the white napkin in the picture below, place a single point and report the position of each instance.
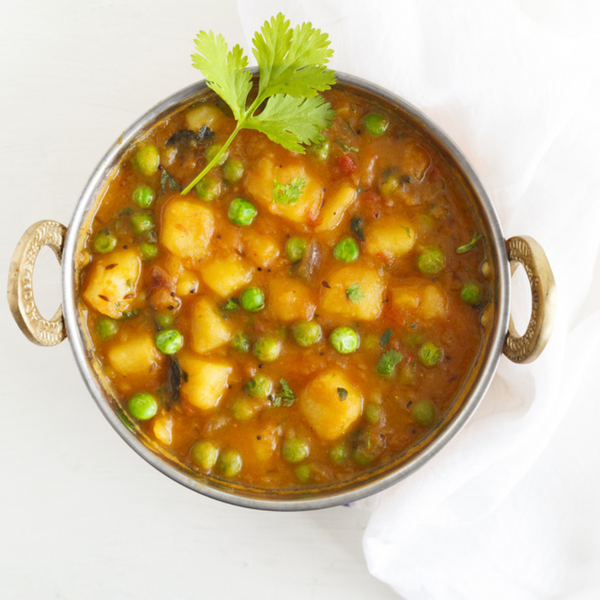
(514, 93)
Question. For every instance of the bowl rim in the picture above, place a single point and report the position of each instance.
(475, 393)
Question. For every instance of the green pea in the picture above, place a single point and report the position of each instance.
(141, 222)
(344, 340)
(164, 319)
(372, 413)
(423, 413)
(295, 249)
(375, 124)
(105, 241)
(319, 151)
(306, 333)
(241, 342)
(149, 251)
(207, 189)
(243, 409)
(143, 196)
(106, 327)
(295, 450)
(146, 160)
(431, 261)
(142, 406)
(169, 341)
(430, 355)
(230, 463)
(338, 453)
(471, 294)
(304, 473)
(259, 386)
(361, 458)
(204, 454)
(346, 250)
(241, 212)
(252, 299)
(233, 170)
(212, 151)
(267, 349)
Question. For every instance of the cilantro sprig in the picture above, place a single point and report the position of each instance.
(290, 193)
(471, 245)
(355, 294)
(285, 396)
(388, 361)
(292, 65)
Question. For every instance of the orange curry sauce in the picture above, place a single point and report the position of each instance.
(403, 199)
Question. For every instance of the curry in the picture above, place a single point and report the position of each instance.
(296, 319)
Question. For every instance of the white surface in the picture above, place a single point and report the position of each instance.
(514, 92)
(81, 515)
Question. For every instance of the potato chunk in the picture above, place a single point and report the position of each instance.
(262, 250)
(323, 407)
(418, 300)
(334, 207)
(209, 330)
(334, 300)
(390, 238)
(260, 183)
(187, 228)
(206, 381)
(136, 356)
(112, 282)
(226, 275)
(414, 161)
(291, 300)
(163, 428)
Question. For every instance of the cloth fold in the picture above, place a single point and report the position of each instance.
(517, 95)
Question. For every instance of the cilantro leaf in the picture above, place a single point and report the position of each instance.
(290, 193)
(470, 246)
(286, 396)
(291, 122)
(287, 108)
(225, 71)
(355, 294)
(385, 338)
(292, 61)
(231, 305)
(388, 361)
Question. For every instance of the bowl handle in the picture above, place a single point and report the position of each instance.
(527, 252)
(20, 283)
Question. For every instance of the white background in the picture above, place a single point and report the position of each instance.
(81, 515)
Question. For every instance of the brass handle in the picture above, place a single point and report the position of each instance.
(20, 283)
(526, 348)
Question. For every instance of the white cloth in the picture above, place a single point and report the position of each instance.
(516, 94)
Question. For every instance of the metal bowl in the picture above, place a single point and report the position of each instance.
(501, 335)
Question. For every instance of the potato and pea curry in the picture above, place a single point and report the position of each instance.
(294, 319)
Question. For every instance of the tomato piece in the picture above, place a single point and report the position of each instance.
(344, 166)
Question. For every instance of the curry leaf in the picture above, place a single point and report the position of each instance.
(385, 338)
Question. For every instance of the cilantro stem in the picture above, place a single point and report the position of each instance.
(214, 161)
